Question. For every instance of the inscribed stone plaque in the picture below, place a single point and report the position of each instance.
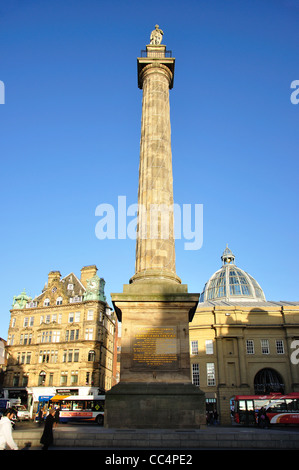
(155, 347)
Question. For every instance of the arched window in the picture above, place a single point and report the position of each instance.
(42, 378)
(59, 301)
(46, 302)
(268, 381)
(91, 356)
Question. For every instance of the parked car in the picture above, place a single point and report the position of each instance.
(22, 413)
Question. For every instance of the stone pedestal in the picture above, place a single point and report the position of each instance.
(155, 388)
(155, 406)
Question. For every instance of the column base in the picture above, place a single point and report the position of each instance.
(155, 406)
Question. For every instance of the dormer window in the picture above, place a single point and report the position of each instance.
(46, 302)
(59, 301)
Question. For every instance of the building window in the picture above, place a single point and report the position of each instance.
(53, 358)
(44, 356)
(26, 321)
(71, 317)
(59, 301)
(16, 378)
(13, 322)
(250, 346)
(194, 347)
(76, 299)
(46, 302)
(55, 336)
(10, 340)
(76, 355)
(279, 346)
(211, 374)
(25, 380)
(70, 286)
(64, 356)
(74, 377)
(90, 315)
(63, 378)
(71, 335)
(42, 378)
(88, 333)
(77, 317)
(70, 355)
(265, 346)
(209, 346)
(31, 321)
(195, 374)
(91, 356)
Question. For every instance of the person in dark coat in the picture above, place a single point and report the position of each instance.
(47, 436)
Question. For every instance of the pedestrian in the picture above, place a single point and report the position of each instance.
(47, 436)
(56, 416)
(40, 416)
(6, 438)
(262, 418)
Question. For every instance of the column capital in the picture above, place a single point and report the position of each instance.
(155, 68)
(155, 56)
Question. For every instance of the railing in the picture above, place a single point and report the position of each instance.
(145, 53)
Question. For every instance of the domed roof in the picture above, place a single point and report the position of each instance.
(232, 283)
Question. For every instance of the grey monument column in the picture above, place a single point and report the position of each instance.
(155, 308)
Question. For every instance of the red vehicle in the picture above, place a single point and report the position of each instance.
(280, 409)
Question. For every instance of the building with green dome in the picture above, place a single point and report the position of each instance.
(241, 343)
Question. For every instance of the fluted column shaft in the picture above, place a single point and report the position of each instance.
(155, 247)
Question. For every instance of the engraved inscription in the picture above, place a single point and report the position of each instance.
(155, 348)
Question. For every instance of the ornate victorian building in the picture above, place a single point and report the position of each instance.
(61, 341)
(240, 343)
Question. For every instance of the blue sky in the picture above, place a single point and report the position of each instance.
(70, 133)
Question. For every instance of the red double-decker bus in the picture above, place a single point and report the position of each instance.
(277, 409)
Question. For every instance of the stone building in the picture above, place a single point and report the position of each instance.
(3, 362)
(240, 343)
(62, 341)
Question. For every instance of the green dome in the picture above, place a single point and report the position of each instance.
(232, 283)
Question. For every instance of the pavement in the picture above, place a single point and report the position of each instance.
(92, 437)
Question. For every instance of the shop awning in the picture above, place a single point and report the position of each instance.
(59, 397)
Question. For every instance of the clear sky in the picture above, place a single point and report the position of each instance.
(70, 133)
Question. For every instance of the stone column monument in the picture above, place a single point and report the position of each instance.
(155, 388)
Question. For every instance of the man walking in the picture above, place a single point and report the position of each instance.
(6, 430)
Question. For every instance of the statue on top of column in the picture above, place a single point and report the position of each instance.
(156, 36)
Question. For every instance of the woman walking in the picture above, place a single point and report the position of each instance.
(47, 436)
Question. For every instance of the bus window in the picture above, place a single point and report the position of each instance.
(250, 406)
(65, 406)
(292, 405)
(242, 405)
(277, 406)
(78, 405)
(88, 405)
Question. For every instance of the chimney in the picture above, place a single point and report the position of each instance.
(87, 272)
(53, 276)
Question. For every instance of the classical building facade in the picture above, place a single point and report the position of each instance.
(239, 342)
(62, 341)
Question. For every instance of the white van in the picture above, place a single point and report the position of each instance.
(22, 412)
